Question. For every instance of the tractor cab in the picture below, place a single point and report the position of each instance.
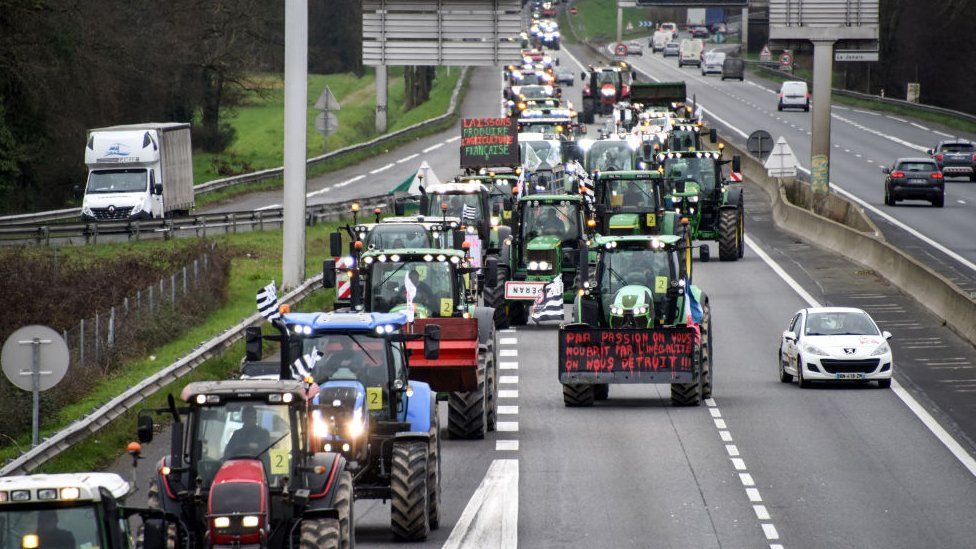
(637, 282)
(603, 87)
(470, 202)
(551, 232)
(686, 135)
(632, 202)
(422, 283)
(554, 123)
(503, 186)
(609, 155)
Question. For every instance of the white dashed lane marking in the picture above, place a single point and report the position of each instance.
(508, 352)
(508, 393)
(508, 365)
(507, 410)
(508, 380)
(382, 169)
(432, 147)
(506, 445)
(407, 158)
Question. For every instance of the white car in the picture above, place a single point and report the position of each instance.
(834, 343)
(712, 63)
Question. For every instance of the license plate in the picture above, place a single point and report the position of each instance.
(523, 290)
(918, 181)
(849, 376)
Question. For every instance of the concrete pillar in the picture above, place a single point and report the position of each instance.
(381, 98)
(744, 30)
(823, 60)
(296, 111)
(620, 23)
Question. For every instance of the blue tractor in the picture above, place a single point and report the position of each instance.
(367, 409)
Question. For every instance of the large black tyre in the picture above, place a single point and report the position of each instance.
(784, 376)
(434, 472)
(409, 501)
(578, 395)
(467, 412)
(729, 234)
(495, 298)
(344, 503)
(800, 380)
(491, 383)
(601, 391)
(939, 202)
(322, 532)
(706, 334)
(154, 502)
(687, 394)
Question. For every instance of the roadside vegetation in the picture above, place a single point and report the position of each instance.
(597, 20)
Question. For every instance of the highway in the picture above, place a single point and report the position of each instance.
(764, 464)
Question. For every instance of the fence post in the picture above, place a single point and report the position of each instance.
(138, 300)
(184, 280)
(196, 272)
(172, 288)
(150, 299)
(81, 345)
(98, 343)
(125, 305)
(111, 328)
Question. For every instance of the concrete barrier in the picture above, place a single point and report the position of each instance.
(848, 231)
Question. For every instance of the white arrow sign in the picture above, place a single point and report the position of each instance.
(781, 161)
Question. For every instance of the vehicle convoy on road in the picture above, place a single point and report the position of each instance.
(73, 510)
(833, 344)
(956, 158)
(914, 179)
(638, 320)
(139, 171)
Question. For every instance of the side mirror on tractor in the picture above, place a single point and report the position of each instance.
(736, 163)
(679, 186)
(335, 244)
(398, 207)
(713, 135)
(582, 264)
(253, 344)
(458, 239)
(491, 272)
(432, 342)
(647, 151)
(144, 429)
(329, 273)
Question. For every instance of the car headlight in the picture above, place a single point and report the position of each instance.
(814, 350)
(85, 210)
(882, 349)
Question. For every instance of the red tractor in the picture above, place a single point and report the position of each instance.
(604, 87)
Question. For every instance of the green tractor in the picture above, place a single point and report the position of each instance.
(632, 202)
(686, 135)
(502, 184)
(638, 320)
(713, 203)
(550, 241)
(431, 286)
(609, 154)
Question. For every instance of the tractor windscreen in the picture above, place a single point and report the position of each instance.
(610, 156)
(608, 77)
(559, 219)
(457, 206)
(542, 154)
(56, 525)
(427, 286)
(683, 140)
(355, 357)
(641, 267)
(244, 429)
(385, 237)
(630, 195)
(698, 170)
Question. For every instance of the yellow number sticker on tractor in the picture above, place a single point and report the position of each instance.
(447, 306)
(279, 460)
(507, 214)
(374, 398)
(660, 284)
(651, 220)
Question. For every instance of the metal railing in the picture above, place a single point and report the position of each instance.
(264, 175)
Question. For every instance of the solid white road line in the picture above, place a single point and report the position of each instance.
(407, 158)
(268, 207)
(432, 147)
(573, 57)
(382, 169)
(867, 112)
(956, 449)
(490, 519)
(943, 134)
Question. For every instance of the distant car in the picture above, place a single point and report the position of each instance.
(659, 40)
(566, 77)
(834, 343)
(670, 27)
(734, 67)
(672, 49)
(690, 52)
(712, 63)
(914, 179)
(956, 158)
(635, 48)
(699, 32)
(794, 95)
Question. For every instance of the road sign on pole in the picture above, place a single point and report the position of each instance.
(786, 61)
(760, 144)
(781, 161)
(35, 358)
(326, 123)
(765, 55)
(327, 101)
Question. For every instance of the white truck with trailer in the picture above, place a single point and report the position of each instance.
(138, 171)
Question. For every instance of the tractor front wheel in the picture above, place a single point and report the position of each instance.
(322, 532)
(344, 503)
(154, 502)
(434, 471)
(730, 234)
(409, 505)
(706, 335)
(578, 395)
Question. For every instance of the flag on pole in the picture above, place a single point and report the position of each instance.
(267, 299)
(693, 312)
(411, 290)
(549, 304)
(302, 367)
(468, 213)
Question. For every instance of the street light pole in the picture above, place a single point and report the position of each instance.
(823, 59)
(296, 107)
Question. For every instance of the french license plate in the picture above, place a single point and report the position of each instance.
(849, 376)
(918, 181)
(523, 290)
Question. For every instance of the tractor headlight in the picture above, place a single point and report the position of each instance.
(221, 522)
(250, 521)
(533, 265)
(356, 429)
(882, 349)
(642, 310)
(544, 266)
(319, 426)
(494, 221)
(616, 311)
(693, 198)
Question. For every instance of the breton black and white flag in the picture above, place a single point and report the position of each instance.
(302, 367)
(549, 304)
(467, 213)
(268, 302)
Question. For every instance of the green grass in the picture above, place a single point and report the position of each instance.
(256, 261)
(597, 20)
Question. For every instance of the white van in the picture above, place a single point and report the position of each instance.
(659, 40)
(794, 95)
(712, 62)
(690, 52)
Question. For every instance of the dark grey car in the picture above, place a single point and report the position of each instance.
(914, 179)
(734, 67)
(956, 158)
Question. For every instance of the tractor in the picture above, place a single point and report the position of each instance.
(367, 407)
(638, 320)
(430, 286)
(632, 202)
(715, 205)
(609, 154)
(550, 241)
(74, 510)
(604, 87)
(244, 469)
(502, 184)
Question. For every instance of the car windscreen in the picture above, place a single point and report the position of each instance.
(958, 148)
(840, 323)
(118, 181)
(917, 167)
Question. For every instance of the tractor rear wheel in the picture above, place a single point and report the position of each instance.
(495, 297)
(688, 394)
(601, 391)
(322, 532)
(409, 499)
(467, 412)
(491, 383)
(434, 471)
(706, 335)
(578, 395)
(344, 503)
(154, 502)
(729, 235)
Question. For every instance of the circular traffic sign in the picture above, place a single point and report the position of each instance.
(17, 357)
(760, 144)
(786, 59)
(620, 49)
(573, 10)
